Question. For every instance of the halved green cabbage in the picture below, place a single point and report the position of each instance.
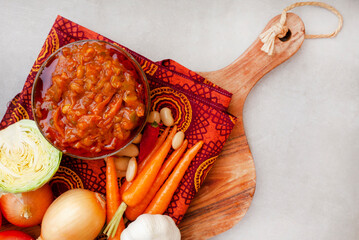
(27, 160)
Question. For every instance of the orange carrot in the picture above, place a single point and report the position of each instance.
(133, 212)
(56, 121)
(163, 197)
(142, 164)
(113, 196)
(143, 181)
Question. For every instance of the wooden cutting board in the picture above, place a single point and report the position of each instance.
(227, 192)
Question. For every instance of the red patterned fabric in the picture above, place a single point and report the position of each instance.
(199, 109)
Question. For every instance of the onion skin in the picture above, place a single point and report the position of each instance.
(26, 209)
(76, 214)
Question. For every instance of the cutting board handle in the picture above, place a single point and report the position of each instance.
(253, 64)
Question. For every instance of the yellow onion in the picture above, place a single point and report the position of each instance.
(76, 214)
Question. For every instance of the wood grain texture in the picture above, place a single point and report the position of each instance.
(227, 192)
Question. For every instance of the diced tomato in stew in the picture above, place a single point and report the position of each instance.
(94, 102)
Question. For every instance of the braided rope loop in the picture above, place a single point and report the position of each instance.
(280, 29)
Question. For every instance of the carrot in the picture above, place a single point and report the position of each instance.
(112, 108)
(143, 181)
(142, 164)
(163, 197)
(133, 212)
(113, 197)
(100, 106)
(56, 122)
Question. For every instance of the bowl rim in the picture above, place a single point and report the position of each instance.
(139, 70)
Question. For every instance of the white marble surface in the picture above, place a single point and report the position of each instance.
(301, 119)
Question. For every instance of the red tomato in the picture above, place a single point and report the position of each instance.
(14, 235)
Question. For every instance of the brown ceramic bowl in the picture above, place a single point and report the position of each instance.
(43, 81)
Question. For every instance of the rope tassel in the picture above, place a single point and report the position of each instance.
(269, 36)
(280, 29)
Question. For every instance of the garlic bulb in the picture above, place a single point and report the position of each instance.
(151, 227)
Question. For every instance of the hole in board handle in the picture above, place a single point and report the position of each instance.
(287, 36)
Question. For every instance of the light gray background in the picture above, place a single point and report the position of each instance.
(301, 119)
